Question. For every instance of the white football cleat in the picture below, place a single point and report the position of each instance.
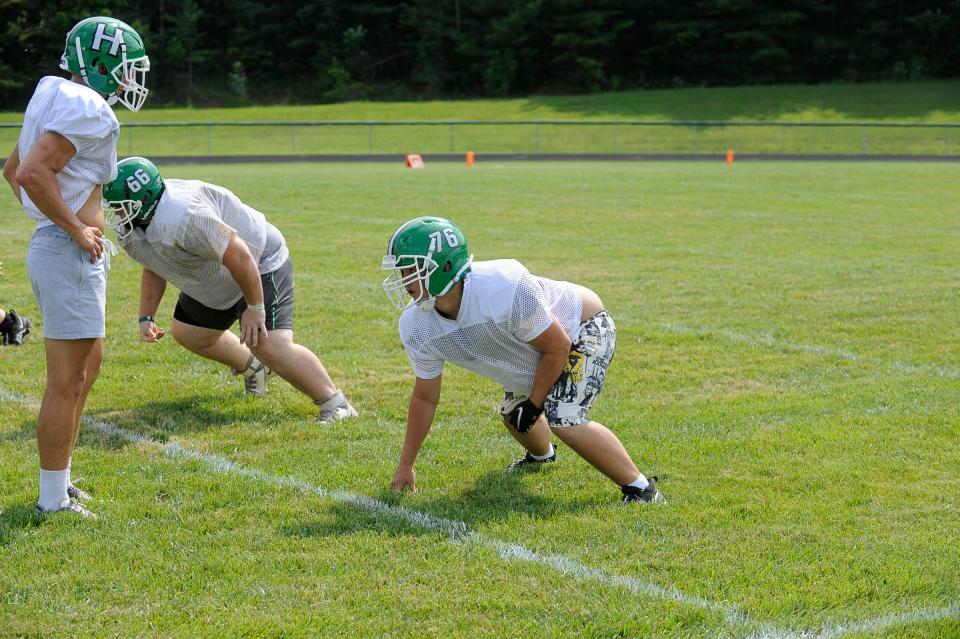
(77, 494)
(335, 408)
(255, 377)
(68, 505)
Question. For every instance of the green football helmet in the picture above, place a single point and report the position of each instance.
(108, 55)
(132, 198)
(436, 251)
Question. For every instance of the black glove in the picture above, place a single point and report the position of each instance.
(524, 416)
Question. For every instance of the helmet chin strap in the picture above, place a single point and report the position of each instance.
(428, 304)
(110, 98)
(83, 66)
(431, 302)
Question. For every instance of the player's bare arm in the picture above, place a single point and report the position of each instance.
(423, 406)
(10, 170)
(554, 344)
(243, 268)
(152, 288)
(37, 174)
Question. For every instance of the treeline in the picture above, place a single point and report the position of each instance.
(209, 52)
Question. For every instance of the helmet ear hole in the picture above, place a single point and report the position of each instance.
(448, 267)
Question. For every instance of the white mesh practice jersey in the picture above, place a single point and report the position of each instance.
(503, 307)
(81, 115)
(185, 242)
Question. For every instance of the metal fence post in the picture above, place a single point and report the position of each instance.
(209, 141)
(783, 139)
(949, 131)
(130, 141)
(293, 140)
(616, 141)
(370, 139)
(693, 138)
(536, 130)
(866, 149)
(451, 138)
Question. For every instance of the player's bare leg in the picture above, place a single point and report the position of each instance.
(536, 440)
(72, 368)
(220, 346)
(296, 364)
(92, 372)
(68, 362)
(602, 449)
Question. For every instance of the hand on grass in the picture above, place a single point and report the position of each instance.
(150, 332)
(404, 477)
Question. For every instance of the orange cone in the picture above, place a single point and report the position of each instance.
(469, 158)
(729, 156)
(414, 161)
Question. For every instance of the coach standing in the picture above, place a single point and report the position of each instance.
(67, 148)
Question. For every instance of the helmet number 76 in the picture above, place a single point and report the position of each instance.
(437, 246)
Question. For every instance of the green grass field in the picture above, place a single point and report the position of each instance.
(788, 364)
(932, 102)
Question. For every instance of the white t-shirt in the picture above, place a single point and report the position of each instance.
(503, 307)
(188, 235)
(81, 115)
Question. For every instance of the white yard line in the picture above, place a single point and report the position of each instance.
(459, 532)
(456, 531)
(769, 341)
(876, 624)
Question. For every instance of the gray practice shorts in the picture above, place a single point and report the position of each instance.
(570, 399)
(71, 292)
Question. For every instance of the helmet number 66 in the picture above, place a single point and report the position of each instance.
(448, 234)
(137, 181)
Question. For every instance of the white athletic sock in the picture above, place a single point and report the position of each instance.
(53, 488)
(640, 483)
(69, 464)
(548, 455)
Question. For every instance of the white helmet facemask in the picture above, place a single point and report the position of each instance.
(131, 75)
(120, 216)
(395, 284)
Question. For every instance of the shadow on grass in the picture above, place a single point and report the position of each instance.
(25, 432)
(493, 497)
(18, 517)
(161, 420)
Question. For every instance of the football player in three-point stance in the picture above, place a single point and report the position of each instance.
(229, 263)
(548, 343)
(67, 148)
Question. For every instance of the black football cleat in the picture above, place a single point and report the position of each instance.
(529, 462)
(649, 495)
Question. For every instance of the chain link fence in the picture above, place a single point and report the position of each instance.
(530, 137)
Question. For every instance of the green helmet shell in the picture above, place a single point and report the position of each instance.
(437, 250)
(131, 199)
(108, 55)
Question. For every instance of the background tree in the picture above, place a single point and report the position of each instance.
(325, 50)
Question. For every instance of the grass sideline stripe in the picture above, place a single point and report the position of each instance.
(459, 532)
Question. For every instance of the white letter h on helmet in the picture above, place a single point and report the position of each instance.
(115, 41)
